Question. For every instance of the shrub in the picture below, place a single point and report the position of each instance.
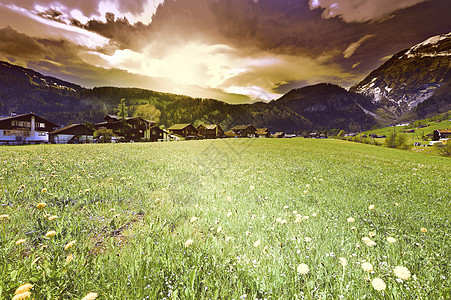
(444, 148)
(398, 141)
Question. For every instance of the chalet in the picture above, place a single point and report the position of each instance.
(409, 131)
(25, 129)
(183, 130)
(72, 134)
(211, 131)
(279, 134)
(230, 134)
(136, 129)
(441, 134)
(244, 131)
(263, 133)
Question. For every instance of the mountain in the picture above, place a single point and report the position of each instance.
(409, 78)
(319, 107)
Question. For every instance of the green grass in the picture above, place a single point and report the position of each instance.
(129, 206)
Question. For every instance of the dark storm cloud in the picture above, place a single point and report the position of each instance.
(19, 45)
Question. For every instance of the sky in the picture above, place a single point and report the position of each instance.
(237, 51)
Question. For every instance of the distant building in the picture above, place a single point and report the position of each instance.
(72, 134)
(244, 131)
(263, 133)
(279, 134)
(183, 130)
(439, 134)
(136, 128)
(211, 131)
(25, 129)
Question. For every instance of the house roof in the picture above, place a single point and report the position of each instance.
(262, 130)
(230, 133)
(179, 126)
(70, 128)
(29, 114)
(444, 131)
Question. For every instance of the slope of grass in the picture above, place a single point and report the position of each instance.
(229, 219)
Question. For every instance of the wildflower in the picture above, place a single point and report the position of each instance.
(367, 266)
(295, 212)
(371, 234)
(22, 187)
(41, 205)
(371, 207)
(44, 190)
(21, 241)
(188, 243)
(252, 187)
(69, 258)
(257, 243)
(352, 228)
(303, 269)
(314, 215)
(305, 192)
(23, 288)
(22, 296)
(307, 185)
(350, 220)
(402, 272)
(193, 219)
(51, 218)
(4, 217)
(219, 229)
(253, 217)
(285, 207)
(229, 199)
(90, 296)
(298, 219)
(396, 204)
(370, 243)
(307, 239)
(50, 234)
(423, 229)
(283, 221)
(391, 240)
(343, 261)
(70, 244)
(229, 214)
(278, 220)
(305, 217)
(248, 233)
(265, 250)
(378, 284)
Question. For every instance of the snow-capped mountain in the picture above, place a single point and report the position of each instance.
(409, 77)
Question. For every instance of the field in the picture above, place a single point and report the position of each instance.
(227, 219)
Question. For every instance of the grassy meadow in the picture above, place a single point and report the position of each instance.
(225, 219)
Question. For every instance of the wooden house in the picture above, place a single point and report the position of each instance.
(279, 134)
(25, 129)
(212, 131)
(135, 129)
(183, 130)
(439, 134)
(245, 131)
(263, 133)
(72, 134)
(230, 134)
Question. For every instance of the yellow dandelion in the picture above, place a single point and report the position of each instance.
(252, 187)
(371, 233)
(44, 190)
(90, 296)
(371, 207)
(423, 229)
(305, 192)
(69, 245)
(22, 187)
(21, 241)
(350, 220)
(193, 219)
(343, 261)
(188, 243)
(402, 272)
(69, 258)
(378, 284)
(366, 266)
(22, 296)
(4, 217)
(23, 288)
(391, 240)
(307, 185)
(41, 205)
(302, 269)
(51, 218)
(396, 204)
(50, 234)
(257, 243)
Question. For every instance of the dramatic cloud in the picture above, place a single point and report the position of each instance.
(233, 50)
(354, 46)
(360, 11)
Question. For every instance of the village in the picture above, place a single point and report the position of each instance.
(29, 128)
